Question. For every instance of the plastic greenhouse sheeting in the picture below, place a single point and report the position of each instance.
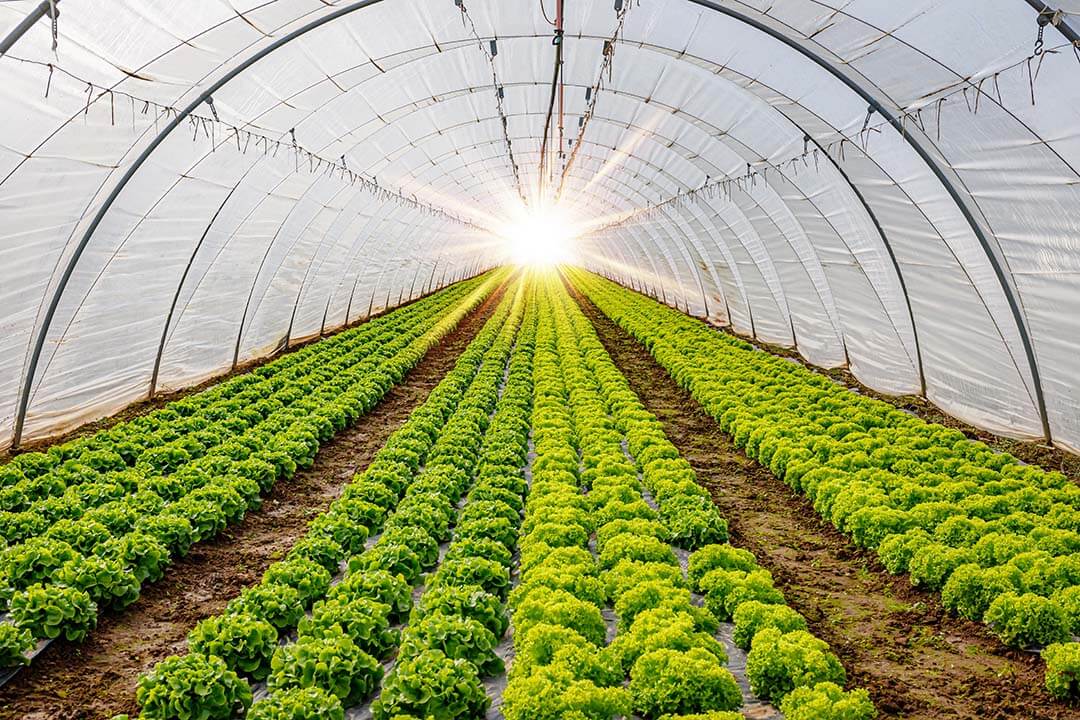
(187, 185)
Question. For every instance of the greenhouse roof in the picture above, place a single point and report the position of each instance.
(891, 186)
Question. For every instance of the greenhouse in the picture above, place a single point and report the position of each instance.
(539, 359)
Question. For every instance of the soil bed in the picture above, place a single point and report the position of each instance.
(96, 679)
(918, 662)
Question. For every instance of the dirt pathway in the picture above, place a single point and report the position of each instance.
(96, 679)
(917, 661)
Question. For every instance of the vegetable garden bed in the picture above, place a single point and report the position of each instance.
(98, 677)
(534, 543)
(611, 517)
(996, 537)
(896, 640)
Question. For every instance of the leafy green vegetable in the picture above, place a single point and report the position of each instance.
(456, 637)
(49, 611)
(15, 642)
(673, 681)
(780, 662)
(1063, 670)
(245, 642)
(365, 621)
(192, 687)
(331, 661)
(827, 701)
(310, 703)
(753, 616)
(432, 685)
(280, 605)
(1021, 620)
(310, 579)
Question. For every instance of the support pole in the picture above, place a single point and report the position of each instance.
(963, 204)
(44, 9)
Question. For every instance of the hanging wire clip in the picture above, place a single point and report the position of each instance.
(54, 15)
(1044, 19)
(213, 110)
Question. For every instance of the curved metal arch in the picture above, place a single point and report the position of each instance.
(774, 288)
(315, 265)
(42, 336)
(882, 236)
(172, 307)
(312, 184)
(1011, 296)
(700, 283)
(133, 169)
(258, 272)
(354, 252)
(180, 288)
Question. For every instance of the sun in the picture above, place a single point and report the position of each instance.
(540, 238)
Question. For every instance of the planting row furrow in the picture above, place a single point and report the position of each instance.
(1000, 540)
(449, 646)
(611, 508)
(114, 508)
(786, 665)
(344, 629)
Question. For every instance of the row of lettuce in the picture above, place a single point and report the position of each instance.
(609, 497)
(88, 522)
(1000, 540)
(591, 539)
(319, 642)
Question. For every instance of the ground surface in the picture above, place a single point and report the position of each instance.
(96, 679)
(917, 661)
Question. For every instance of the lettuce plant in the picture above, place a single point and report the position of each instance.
(49, 611)
(365, 621)
(752, 616)
(827, 701)
(456, 637)
(672, 681)
(1063, 670)
(309, 703)
(331, 661)
(245, 642)
(1027, 619)
(470, 601)
(310, 579)
(280, 605)
(780, 662)
(192, 687)
(15, 642)
(431, 684)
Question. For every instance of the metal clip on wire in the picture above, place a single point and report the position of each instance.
(1044, 19)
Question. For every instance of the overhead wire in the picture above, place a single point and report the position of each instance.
(592, 94)
(490, 52)
(210, 125)
(556, 80)
(911, 117)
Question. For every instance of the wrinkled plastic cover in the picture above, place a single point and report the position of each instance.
(223, 248)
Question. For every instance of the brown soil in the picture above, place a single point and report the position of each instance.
(96, 679)
(916, 660)
(159, 400)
